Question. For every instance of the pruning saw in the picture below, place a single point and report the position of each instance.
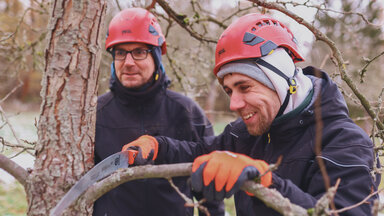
(101, 170)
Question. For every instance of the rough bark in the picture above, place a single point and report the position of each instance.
(64, 151)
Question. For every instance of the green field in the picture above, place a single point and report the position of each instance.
(12, 200)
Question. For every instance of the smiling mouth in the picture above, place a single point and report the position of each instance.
(130, 74)
(246, 117)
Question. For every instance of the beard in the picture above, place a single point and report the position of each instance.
(260, 128)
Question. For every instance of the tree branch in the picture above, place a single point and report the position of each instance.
(320, 8)
(271, 197)
(5, 143)
(12, 91)
(2, 112)
(189, 202)
(364, 201)
(180, 20)
(327, 199)
(18, 172)
(367, 63)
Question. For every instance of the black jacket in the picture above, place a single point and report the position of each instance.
(122, 116)
(347, 153)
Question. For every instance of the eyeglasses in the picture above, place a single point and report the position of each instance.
(137, 54)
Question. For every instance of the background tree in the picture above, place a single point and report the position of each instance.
(349, 47)
(360, 37)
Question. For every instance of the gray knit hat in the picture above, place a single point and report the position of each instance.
(281, 60)
(246, 67)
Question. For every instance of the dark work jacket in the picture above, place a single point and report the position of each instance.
(347, 153)
(122, 116)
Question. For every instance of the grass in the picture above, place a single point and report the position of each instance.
(12, 200)
(230, 206)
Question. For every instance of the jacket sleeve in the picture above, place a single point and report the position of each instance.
(348, 158)
(177, 151)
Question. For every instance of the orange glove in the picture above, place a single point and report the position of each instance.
(211, 172)
(142, 151)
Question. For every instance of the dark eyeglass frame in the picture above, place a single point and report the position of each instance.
(132, 52)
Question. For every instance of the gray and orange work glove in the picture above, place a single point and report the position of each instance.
(220, 174)
(142, 151)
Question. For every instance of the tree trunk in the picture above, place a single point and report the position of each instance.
(64, 151)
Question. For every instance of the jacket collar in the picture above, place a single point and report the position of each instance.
(129, 96)
(332, 104)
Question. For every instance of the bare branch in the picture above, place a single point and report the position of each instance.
(12, 91)
(10, 126)
(14, 169)
(139, 172)
(19, 24)
(271, 197)
(239, 10)
(318, 141)
(320, 8)
(357, 204)
(5, 143)
(118, 5)
(323, 203)
(368, 62)
(189, 202)
(180, 20)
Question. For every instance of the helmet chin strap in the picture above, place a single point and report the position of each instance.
(292, 83)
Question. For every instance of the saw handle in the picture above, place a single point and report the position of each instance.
(143, 150)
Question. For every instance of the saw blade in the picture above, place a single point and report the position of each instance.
(98, 172)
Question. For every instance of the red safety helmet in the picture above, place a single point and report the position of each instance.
(252, 36)
(135, 25)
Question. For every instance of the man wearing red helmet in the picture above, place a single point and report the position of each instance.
(275, 100)
(140, 103)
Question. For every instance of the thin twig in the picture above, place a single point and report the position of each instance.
(185, 198)
(17, 26)
(323, 203)
(180, 20)
(357, 204)
(368, 62)
(12, 91)
(10, 126)
(118, 5)
(5, 143)
(189, 202)
(322, 8)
